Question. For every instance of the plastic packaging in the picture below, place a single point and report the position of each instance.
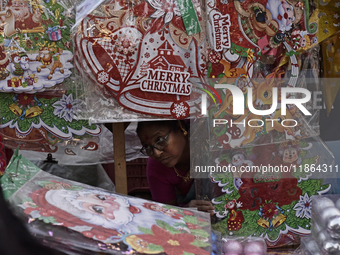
(36, 49)
(244, 246)
(47, 122)
(92, 219)
(93, 175)
(326, 222)
(141, 59)
(260, 53)
(268, 191)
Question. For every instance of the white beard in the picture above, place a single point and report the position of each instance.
(275, 8)
(21, 14)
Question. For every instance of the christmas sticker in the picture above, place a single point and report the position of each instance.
(143, 57)
(35, 47)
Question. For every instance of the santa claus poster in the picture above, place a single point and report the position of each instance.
(35, 44)
(118, 224)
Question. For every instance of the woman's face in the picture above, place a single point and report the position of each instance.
(173, 153)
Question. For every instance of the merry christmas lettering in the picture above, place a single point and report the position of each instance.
(221, 25)
(168, 82)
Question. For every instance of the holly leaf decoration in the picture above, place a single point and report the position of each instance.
(145, 230)
(167, 227)
(200, 243)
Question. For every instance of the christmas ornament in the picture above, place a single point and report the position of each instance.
(328, 214)
(333, 226)
(331, 247)
(232, 246)
(254, 247)
(322, 203)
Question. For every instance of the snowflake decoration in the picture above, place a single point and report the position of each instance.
(125, 44)
(103, 77)
(66, 107)
(303, 209)
(180, 110)
(337, 5)
(187, 55)
(147, 55)
(336, 16)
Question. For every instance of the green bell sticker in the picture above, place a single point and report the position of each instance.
(189, 16)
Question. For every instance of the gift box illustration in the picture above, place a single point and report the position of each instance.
(54, 33)
(14, 82)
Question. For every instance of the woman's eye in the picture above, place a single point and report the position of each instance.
(98, 209)
(101, 197)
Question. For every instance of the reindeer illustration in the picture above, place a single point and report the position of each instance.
(47, 56)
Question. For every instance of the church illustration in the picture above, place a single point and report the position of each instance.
(166, 60)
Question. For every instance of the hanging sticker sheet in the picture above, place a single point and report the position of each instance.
(35, 44)
(38, 122)
(267, 190)
(265, 49)
(102, 219)
(145, 55)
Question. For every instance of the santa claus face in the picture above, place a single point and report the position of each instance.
(20, 9)
(282, 12)
(99, 204)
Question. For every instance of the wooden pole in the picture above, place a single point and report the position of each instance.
(119, 157)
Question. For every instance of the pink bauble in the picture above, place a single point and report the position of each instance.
(232, 246)
(254, 247)
(253, 253)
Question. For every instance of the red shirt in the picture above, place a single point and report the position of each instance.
(163, 182)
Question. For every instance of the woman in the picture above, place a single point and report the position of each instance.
(168, 169)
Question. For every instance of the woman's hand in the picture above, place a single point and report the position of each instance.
(202, 205)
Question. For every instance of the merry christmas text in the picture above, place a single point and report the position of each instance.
(220, 29)
(168, 82)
